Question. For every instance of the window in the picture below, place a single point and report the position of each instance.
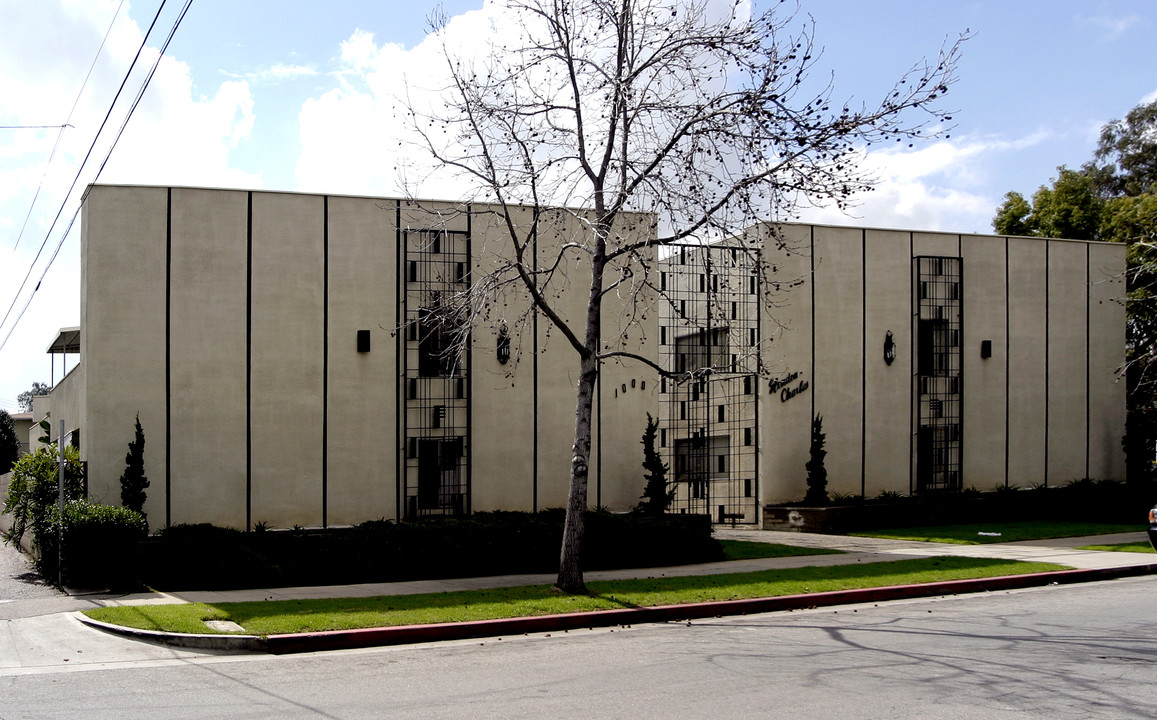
(436, 355)
(440, 485)
(702, 349)
(699, 459)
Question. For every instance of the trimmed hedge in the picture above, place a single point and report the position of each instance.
(101, 546)
(1103, 501)
(188, 557)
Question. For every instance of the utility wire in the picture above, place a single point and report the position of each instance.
(124, 124)
(38, 127)
(79, 172)
(66, 124)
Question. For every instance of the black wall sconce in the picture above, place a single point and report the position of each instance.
(985, 349)
(363, 341)
(889, 349)
(503, 345)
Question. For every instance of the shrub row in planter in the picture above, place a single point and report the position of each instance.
(498, 543)
(100, 546)
(1081, 501)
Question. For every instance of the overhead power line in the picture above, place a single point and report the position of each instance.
(37, 127)
(108, 154)
(66, 124)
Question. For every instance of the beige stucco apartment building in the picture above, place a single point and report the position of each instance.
(274, 346)
(937, 361)
(278, 350)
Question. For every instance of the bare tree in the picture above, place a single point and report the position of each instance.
(668, 122)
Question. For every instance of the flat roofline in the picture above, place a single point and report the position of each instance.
(870, 228)
(462, 203)
(466, 201)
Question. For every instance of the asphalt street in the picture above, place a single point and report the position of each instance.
(1064, 652)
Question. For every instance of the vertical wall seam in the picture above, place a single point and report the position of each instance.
(470, 373)
(812, 368)
(863, 362)
(1048, 337)
(400, 359)
(913, 383)
(1088, 364)
(169, 358)
(961, 390)
(249, 363)
(325, 365)
(534, 385)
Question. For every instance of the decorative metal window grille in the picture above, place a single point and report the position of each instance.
(939, 372)
(709, 329)
(435, 419)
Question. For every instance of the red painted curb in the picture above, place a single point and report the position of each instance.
(406, 634)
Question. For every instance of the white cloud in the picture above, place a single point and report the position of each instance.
(176, 136)
(277, 73)
(357, 138)
(939, 186)
(1112, 27)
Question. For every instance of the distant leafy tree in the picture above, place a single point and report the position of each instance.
(1012, 217)
(1125, 162)
(25, 398)
(9, 442)
(656, 495)
(133, 480)
(1071, 207)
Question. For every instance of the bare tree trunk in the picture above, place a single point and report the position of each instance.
(570, 569)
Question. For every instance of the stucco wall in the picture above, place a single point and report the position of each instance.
(229, 319)
(208, 357)
(362, 387)
(122, 341)
(1045, 407)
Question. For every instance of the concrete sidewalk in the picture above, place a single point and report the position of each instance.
(854, 550)
(36, 635)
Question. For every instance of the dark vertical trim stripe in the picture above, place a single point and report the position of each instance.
(1088, 368)
(169, 358)
(962, 388)
(469, 373)
(534, 384)
(1048, 359)
(325, 365)
(913, 383)
(249, 363)
(812, 368)
(1007, 362)
(400, 359)
(863, 363)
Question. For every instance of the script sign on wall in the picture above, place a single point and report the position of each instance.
(787, 386)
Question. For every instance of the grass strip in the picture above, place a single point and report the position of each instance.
(1137, 547)
(289, 616)
(997, 532)
(747, 550)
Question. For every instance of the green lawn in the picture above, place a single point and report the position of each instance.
(1138, 547)
(745, 550)
(995, 532)
(275, 617)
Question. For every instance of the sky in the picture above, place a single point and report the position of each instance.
(301, 96)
